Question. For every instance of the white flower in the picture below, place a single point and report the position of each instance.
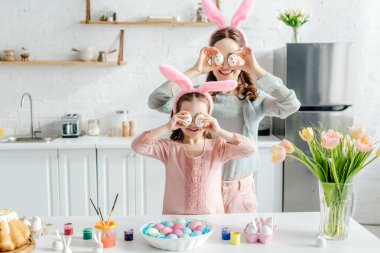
(299, 18)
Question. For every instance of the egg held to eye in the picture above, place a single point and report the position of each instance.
(188, 120)
(199, 120)
(233, 60)
(218, 59)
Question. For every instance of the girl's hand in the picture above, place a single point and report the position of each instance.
(211, 124)
(177, 121)
(202, 66)
(251, 66)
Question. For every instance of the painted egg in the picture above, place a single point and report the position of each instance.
(178, 226)
(152, 231)
(320, 242)
(180, 220)
(266, 230)
(188, 120)
(186, 230)
(172, 236)
(185, 236)
(177, 232)
(195, 224)
(166, 230)
(218, 59)
(159, 226)
(233, 60)
(198, 120)
(200, 228)
(196, 233)
(168, 224)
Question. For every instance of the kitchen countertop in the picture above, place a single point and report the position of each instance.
(89, 142)
(296, 232)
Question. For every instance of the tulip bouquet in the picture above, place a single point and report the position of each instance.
(295, 18)
(335, 160)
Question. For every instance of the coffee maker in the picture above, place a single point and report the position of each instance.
(70, 125)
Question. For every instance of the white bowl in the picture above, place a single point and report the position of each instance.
(180, 244)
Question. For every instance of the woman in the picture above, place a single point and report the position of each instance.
(239, 110)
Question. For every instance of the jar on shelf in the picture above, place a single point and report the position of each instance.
(121, 116)
(93, 127)
(9, 55)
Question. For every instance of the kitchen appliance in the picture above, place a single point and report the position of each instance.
(322, 76)
(70, 126)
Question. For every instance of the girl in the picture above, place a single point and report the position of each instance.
(239, 110)
(193, 162)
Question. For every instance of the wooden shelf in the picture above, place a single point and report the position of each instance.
(146, 23)
(91, 63)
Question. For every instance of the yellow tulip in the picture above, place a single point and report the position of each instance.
(356, 132)
(307, 134)
(287, 145)
(1, 132)
(278, 154)
(378, 152)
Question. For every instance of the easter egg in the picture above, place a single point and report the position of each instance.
(180, 220)
(266, 230)
(166, 230)
(195, 224)
(198, 120)
(168, 224)
(186, 230)
(218, 59)
(159, 226)
(178, 226)
(320, 242)
(233, 60)
(200, 228)
(185, 236)
(152, 231)
(177, 232)
(196, 233)
(188, 119)
(172, 236)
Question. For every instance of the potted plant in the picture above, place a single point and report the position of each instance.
(295, 18)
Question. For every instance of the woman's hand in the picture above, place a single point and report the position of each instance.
(202, 66)
(251, 66)
(211, 124)
(177, 121)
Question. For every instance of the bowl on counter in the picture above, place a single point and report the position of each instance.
(180, 244)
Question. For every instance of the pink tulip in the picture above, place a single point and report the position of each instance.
(356, 131)
(330, 139)
(365, 143)
(278, 154)
(287, 145)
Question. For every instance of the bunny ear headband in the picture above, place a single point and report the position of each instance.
(184, 82)
(240, 17)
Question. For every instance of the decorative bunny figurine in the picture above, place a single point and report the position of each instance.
(66, 245)
(58, 244)
(98, 248)
(240, 16)
(183, 81)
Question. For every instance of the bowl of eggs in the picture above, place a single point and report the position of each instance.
(177, 234)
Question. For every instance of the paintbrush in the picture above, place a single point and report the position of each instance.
(96, 210)
(113, 207)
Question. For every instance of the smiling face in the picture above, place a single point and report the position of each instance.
(226, 46)
(194, 107)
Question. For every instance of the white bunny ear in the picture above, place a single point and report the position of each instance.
(58, 235)
(218, 86)
(64, 241)
(242, 13)
(213, 13)
(69, 242)
(176, 76)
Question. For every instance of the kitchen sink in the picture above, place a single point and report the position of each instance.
(18, 139)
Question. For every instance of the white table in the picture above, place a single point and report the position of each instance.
(296, 232)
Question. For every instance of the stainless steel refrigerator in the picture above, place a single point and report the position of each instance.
(321, 74)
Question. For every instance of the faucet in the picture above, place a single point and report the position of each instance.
(32, 131)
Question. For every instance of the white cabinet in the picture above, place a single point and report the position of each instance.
(29, 182)
(268, 183)
(116, 175)
(77, 181)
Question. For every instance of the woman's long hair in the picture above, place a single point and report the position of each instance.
(245, 87)
(178, 135)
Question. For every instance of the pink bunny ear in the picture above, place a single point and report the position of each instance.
(176, 76)
(213, 13)
(218, 86)
(242, 14)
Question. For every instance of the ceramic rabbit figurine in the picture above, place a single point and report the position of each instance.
(98, 248)
(58, 244)
(66, 245)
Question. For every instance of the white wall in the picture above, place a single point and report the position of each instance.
(51, 28)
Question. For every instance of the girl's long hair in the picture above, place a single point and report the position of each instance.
(245, 87)
(178, 135)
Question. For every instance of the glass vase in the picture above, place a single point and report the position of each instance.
(337, 204)
(296, 35)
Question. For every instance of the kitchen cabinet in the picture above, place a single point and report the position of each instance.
(77, 181)
(29, 181)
